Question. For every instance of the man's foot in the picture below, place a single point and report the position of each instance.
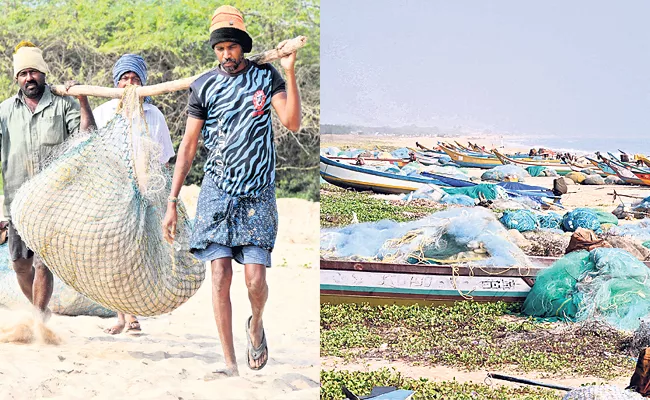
(256, 354)
(118, 328)
(133, 326)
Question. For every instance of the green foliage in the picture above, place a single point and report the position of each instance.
(338, 205)
(81, 40)
(469, 335)
(361, 383)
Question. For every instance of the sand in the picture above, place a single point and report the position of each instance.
(441, 373)
(173, 356)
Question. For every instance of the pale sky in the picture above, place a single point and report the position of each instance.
(561, 68)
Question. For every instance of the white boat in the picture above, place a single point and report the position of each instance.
(358, 178)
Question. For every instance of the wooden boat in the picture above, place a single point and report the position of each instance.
(602, 166)
(358, 178)
(561, 169)
(622, 171)
(382, 283)
(470, 160)
(352, 160)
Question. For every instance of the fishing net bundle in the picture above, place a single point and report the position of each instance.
(581, 218)
(459, 235)
(602, 392)
(64, 301)
(94, 214)
(521, 220)
(605, 284)
(505, 173)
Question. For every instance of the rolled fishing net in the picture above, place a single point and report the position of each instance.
(605, 284)
(521, 220)
(64, 301)
(94, 216)
(601, 392)
(459, 235)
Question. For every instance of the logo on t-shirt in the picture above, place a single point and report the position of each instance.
(259, 98)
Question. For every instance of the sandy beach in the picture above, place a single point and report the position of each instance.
(174, 354)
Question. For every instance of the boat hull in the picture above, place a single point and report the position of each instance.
(353, 177)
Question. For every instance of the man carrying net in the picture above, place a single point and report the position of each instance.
(32, 123)
(131, 69)
(230, 106)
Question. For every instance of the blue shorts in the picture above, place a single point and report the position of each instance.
(241, 254)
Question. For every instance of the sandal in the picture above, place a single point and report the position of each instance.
(251, 351)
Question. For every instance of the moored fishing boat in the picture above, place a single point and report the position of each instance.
(560, 168)
(358, 178)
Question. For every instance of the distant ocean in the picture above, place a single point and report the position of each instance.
(583, 145)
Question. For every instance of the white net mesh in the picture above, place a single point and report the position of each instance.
(94, 217)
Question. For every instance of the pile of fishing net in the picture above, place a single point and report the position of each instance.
(605, 284)
(64, 301)
(481, 191)
(601, 392)
(94, 216)
(587, 218)
(511, 173)
(452, 236)
(538, 170)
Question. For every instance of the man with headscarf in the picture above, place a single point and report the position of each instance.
(230, 106)
(31, 123)
(131, 69)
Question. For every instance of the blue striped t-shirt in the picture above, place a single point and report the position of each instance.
(238, 131)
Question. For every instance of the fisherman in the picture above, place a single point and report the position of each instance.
(230, 106)
(31, 123)
(131, 69)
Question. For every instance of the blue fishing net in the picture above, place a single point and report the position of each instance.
(521, 220)
(550, 221)
(581, 218)
(459, 199)
(470, 234)
(502, 172)
(401, 153)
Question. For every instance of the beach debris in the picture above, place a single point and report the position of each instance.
(492, 375)
(547, 243)
(585, 239)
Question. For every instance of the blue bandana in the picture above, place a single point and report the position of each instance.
(131, 63)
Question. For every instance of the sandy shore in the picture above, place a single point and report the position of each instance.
(369, 142)
(442, 373)
(173, 356)
(578, 195)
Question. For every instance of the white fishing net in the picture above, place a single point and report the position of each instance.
(94, 215)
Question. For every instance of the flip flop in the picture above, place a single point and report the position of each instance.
(256, 353)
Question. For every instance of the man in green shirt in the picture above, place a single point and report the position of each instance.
(32, 123)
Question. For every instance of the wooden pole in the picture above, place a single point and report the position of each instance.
(289, 47)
